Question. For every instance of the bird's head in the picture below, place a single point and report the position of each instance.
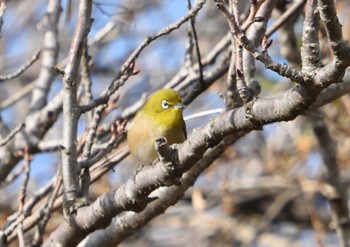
(165, 105)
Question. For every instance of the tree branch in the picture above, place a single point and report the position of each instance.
(125, 68)
(310, 51)
(125, 225)
(133, 195)
(71, 111)
(22, 69)
(281, 69)
(331, 23)
(49, 56)
(337, 194)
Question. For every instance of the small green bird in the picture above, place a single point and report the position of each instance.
(161, 116)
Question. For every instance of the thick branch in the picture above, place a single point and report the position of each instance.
(71, 111)
(310, 51)
(125, 225)
(330, 20)
(133, 195)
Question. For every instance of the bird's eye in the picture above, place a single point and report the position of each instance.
(165, 104)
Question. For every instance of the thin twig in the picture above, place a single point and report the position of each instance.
(22, 69)
(196, 45)
(17, 129)
(102, 33)
(118, 134)
(23, 193)
(335, 191)
(281, 69)
(283, 18)
(29, 87)
(85, 178)
(130, 111)
(13, 176)
(86, 80)
(241, 84)
(92, 131)
(232, 98)
(237, 91)
(272, 211)
(17, 95)
(254, 7)
(98, 171)
(189, 42)
(15, 219)
(125, 68)
(39, 234)
(316, 223)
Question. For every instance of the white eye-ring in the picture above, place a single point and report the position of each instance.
(165, 104)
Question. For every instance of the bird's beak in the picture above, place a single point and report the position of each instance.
(180, 106)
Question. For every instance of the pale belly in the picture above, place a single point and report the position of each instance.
(145, 151)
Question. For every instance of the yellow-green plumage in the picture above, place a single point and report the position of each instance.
(161, 116)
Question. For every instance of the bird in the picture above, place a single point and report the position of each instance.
(161, 116)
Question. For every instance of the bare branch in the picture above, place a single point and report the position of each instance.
(17, 96)
(22, 194)
(281, 69)
(118, 134)
(292, 10)
(22, 69)
(337, 194)
(334, 91)
(39, 234)
(232, 97)
(310, 51)
(255, 34)
(12, 134)
(243, 91)
(133, 195)
(328, 14)
(287, 36)
(196, 45)
(124, 71)
(13, 176)
(49, 57)
(71, 111)
(86, 81)
(254, 7)
(92, 131)
(124, 225)
(85, 178)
